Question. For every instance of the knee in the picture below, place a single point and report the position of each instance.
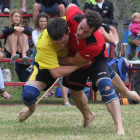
(60, 7)
(106, 89)
(37, 7)
(30, 94)
(23, 36)
(79, 96)
(75, 95)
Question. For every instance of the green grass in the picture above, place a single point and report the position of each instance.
(57, 122)
(54, 121)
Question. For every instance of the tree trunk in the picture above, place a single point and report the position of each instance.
(120, 29)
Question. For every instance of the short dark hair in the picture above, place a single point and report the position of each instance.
(57, 27)
(26, 18)
(93, 19)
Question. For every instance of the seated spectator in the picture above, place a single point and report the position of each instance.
(107, 14)
(52, 7)
(3, 92)
(16, 38)
(135, 29)
(5, 6)
(23, 4)
(20, 67)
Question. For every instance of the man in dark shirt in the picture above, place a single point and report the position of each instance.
(105, 9)
(51, 7)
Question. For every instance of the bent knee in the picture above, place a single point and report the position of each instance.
(37, 7)
(106, 89)
(60, 7)
(30, 94)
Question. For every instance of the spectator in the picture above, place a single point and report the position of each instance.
(52, 7)
(20, 67)
(5, 6)
(135, 29)
(16, 38)
(3, 92)
(107, 14)
(23, 10)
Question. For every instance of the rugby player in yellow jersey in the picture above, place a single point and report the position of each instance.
(46, 67)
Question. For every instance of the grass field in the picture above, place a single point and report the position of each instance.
(54, 121)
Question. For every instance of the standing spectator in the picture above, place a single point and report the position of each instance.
(3, 92)
(5, 6)
(16, 38)
(52, 7)
(105, 9)
(135, 29)
(23, 4)
(20, 67)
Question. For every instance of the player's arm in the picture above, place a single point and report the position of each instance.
(66, 70)
(77, 60)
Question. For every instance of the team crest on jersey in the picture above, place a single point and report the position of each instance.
(101, 73)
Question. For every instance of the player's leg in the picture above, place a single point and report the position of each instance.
(38, 80)
(100, 76)
(81, 102)
(76, 82)
(29, 96)
(112, 102)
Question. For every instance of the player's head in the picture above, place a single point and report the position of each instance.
(58, 31)
(90, 23)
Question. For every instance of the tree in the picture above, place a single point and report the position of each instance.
(122, 8)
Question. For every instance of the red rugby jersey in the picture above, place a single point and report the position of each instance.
(91, 48)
